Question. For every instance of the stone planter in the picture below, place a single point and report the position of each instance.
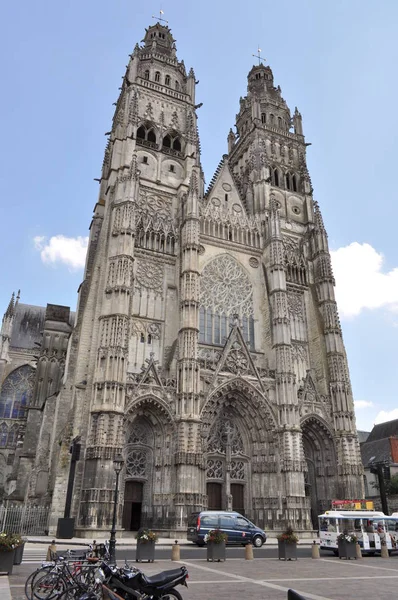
(347, 550)
(18, 554)
(6, 561)
(145, 551)
(215, 552)
(287, 551)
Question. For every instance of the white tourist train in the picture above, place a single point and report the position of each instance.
(370, 527)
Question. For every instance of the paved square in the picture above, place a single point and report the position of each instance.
(269, 578)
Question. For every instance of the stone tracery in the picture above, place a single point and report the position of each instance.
(225, 287)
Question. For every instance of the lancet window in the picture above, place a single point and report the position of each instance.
(226, 292)
(8, 435)
(275, 177)
(291, 182)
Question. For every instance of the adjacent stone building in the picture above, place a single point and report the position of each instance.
(207, 347)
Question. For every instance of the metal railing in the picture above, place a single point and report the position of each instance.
(25, 520)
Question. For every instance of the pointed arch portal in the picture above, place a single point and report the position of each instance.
(320, 454)
(148, 447)
(237, 431)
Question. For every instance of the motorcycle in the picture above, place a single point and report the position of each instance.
(130, 583)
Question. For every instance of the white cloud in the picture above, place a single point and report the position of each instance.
(385, 415)
(62, 250)
(360, 282)
(362, 404)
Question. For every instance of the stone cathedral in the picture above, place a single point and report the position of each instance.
(206, 347)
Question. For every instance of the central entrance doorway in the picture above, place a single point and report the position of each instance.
(132, 505)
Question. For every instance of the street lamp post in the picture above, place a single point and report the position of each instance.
(118, 466)
(377, 468)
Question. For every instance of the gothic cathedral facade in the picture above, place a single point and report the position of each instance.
(207, 347)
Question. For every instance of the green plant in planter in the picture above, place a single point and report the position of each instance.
(347, 537)
(146, 535)
(19, 540)
(288, 536)
(7, 542)
(215, 536)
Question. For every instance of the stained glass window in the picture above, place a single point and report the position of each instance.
(16, 393)
(225, 291)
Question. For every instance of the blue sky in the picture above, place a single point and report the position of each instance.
(62, 64)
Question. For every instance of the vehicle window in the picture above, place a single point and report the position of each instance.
(227, 522)
(209, 521)
(242, 523)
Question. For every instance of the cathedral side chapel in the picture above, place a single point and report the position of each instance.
(207, 347)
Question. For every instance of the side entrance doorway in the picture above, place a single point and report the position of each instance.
(132, 505)
(238, 502)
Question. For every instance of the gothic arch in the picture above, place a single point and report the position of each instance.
(250, 399)
(149, 446)
(320, 453)
(151, 403)
(237, 437)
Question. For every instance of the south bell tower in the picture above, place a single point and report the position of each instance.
(132, 377)
(207, 347)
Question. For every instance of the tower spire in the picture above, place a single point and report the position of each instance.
(260, 58)
(159, 18)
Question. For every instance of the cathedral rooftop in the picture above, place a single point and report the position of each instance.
(28, 325)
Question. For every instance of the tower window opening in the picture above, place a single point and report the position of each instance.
(157, 76)
(146, 135)
(167, 80)
(141, 131)
(226, 197)
(280, 122)
(276, 177)
(271, 118)
(145, 160)
(149, 338)
(287, 178)
(177, 144)
(263, 118)
(167, 141)
(172, 169)
(151, 137)
(146, 74)
(142, 338)
(294, 183)
(177, 85)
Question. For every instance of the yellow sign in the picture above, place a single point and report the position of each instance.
(352, 505)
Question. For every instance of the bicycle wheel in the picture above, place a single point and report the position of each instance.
(32, 578)
(76, 592)
(49, 586)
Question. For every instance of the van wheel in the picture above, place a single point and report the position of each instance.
(257, 541)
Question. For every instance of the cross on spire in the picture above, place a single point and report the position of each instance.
(159, 18)
(260, 58)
